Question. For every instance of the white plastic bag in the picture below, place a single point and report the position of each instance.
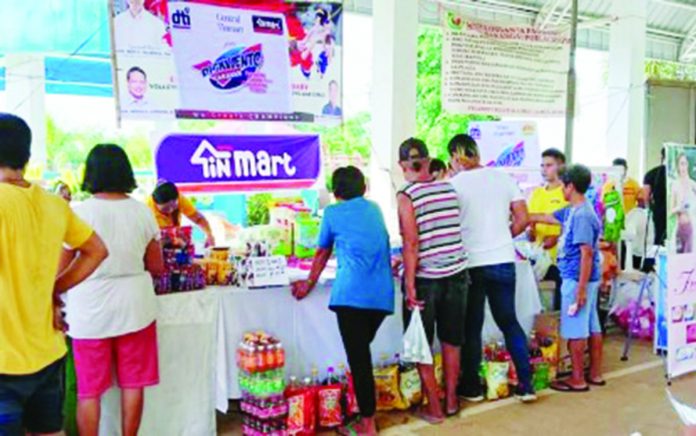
(416, 346)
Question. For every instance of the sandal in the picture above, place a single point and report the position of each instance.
(432, 420)
(450, 413)
(596, 383)
(564, 386)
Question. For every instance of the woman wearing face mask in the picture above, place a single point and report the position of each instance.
(168, 206)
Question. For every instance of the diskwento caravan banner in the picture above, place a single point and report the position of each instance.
(258, 61)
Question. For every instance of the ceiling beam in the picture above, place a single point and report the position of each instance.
(676, 4)
(546, 13)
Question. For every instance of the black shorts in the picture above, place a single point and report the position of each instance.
(33, 402)
(445, 306)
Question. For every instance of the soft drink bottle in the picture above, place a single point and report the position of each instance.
(270, 357)
(315, 377)
(331, 376)
(280, 352)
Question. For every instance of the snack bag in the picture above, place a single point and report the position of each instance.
(550, 354)
(329, 402)
(541, 379)
(410, 386)
(352, 408)
(497, 380)
(387, 387)
(302, 413)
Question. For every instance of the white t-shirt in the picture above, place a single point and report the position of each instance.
(119, 297)
(485, 196)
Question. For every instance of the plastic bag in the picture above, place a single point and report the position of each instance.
(416, 346)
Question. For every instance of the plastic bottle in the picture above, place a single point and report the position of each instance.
(331, 377)
(280, 355)
(315, 377)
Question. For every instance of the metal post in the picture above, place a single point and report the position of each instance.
(570, 106)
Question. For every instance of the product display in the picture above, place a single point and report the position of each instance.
(181, 273)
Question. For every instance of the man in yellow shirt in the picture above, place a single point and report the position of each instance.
(169, 205)
(631, 188)
(34, 225)
(548, 199)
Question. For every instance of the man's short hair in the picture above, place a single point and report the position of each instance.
(15, 142)
(554, 153)
(620, 162)
(348, 183)
(135, 70)
(108, 170)
(165, 192)
(463, 143)
(579, 175)
(412, 144)
(437, 165)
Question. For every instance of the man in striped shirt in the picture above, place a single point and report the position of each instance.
(435, 277)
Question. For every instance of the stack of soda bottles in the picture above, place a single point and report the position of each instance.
(261, 362)
(181, 273)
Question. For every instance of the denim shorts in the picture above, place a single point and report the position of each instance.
(586, 320)
(32, 402)
(445, 307)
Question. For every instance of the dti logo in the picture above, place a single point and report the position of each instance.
(216, 164)
(181, 19)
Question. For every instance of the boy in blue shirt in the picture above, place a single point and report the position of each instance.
(579, 263)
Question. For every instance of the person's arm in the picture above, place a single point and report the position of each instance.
(411, 244)
(586, 263)
(154, 260)
(303, 288)
(543, 218)
(201, 221)
(676, 203)
(520, 218)
(87, 259)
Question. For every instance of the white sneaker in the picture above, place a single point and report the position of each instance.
(526, 398)
(476, 399)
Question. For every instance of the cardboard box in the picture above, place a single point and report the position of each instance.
(548, 325)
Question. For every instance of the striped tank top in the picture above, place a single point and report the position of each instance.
(438, 216)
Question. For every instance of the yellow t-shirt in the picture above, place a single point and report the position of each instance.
(34, 226)
(547, 201)
(631, 192)
(163, 221)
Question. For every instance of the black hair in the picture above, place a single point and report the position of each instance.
(165, 192)
(15, 142)
(662, 154)
(412, 144)
(323, 14)
(554, 153)
(108, 170)
(579, 176)
(465, 143)
(620, 162)
(437, 165)
(135, 70)
(348, 183)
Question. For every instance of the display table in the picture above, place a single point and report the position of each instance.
(184, 401)
(310, 333)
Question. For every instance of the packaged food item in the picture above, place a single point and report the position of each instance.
(497, 380)
(550, 354)
(306, 234)
(410, 386)
(541, 379)
(329, 402)
(301, 399)
(387, 387)
(352, 408)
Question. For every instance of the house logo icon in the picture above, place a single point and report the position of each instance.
(216, 164)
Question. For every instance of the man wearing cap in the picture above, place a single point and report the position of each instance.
(493, 212)
(435, 277)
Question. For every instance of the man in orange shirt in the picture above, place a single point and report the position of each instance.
(34, 225)
(630, 187)
(169, 205)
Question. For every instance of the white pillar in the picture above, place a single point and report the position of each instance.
(25, 93)
(395, 55)
(625, 134)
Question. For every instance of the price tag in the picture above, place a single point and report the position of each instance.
(267, 271)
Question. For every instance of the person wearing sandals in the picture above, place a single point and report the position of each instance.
(362, 295)
(435, 276)
(579, 263)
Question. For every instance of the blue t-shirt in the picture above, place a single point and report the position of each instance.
(580, 227)
(356, 230)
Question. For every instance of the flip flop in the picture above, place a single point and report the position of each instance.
(432, 420)
(456, 412)
(595, 383)
(348, 429)
(564, 386)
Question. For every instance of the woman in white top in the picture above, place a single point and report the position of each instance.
(111, 316)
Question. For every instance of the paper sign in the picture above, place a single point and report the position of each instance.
(267, 271)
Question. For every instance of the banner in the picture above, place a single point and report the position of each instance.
(228, 163)
(507, 143)
(222, 59)
(504, 70)
(681, 260)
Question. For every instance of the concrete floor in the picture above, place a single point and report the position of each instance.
(634, 401)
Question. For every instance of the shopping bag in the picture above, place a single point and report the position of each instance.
(416, 346)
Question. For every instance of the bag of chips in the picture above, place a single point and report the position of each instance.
(410, 386)
(301, 411)
(541, 378)
(387, 387)
(329, 402)
(352, 408)
(497, 380)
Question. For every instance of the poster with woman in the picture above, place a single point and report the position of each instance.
(681, 258)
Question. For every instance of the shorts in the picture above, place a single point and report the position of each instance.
(33, 402)
(445, 306)
(134, 356)
(586, 320)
